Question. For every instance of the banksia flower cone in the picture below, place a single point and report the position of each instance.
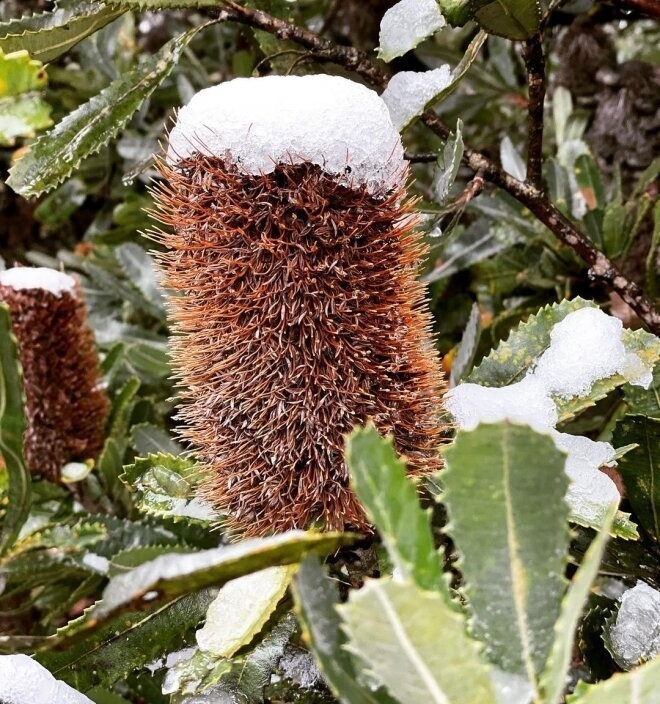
(295, 299)
(66, 408)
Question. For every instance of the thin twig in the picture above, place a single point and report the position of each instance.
(535, 64)
(526, 193)
(421, 157)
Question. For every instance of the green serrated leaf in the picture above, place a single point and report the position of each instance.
(642, 401)
(639, 686)
(49, 34)
(147, 438)
(124, 643)
(644, 344)
(166, 577)
(415, 644)
(504, 491)
(640, 469)
(12, 430)
(513, 19)
(316, 599)
(449, 161)
(55, 155)
(554, 676)
(22, 110)
(163, 485)
(510, 360)
(390, 499)
(126, 560)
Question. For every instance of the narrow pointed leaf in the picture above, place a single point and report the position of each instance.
(415, 644)
(49, 34)
(553, 680)
(316, 599)
(12, 430)
(504, 491)
(56, 154)
(124, 643)
(390, 499)
(640, 469)
(169, 576)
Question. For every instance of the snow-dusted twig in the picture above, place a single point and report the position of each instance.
(526, 193)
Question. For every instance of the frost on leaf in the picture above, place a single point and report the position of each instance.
(635, 636)
(407, 24)
(586, 347)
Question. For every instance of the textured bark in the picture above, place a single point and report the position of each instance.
(66, 407)
(299, 314)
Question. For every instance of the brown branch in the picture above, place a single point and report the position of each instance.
(525, 193)
(421, 157)
(535, 64)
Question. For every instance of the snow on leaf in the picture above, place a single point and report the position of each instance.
(634, 637)
(24, 681)
(407, 24)
(409, 92)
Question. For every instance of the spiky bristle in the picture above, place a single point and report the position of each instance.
(297, 315)
(66, 408)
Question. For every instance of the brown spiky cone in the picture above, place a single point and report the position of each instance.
(66, 406)
(298, 314)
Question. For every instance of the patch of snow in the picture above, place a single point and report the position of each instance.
(257, 123)
(24, 681)
(587, 346)
(511, 688)
(407, 24)
(408, 93)
(98, 563)
(525, 402)
(40, 277)
(635, 636)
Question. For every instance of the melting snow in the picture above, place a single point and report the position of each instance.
(327, 120)
(408, 93)
(98, 563)
(525, 402)
(406, 24)
(635, 636)
(585, 346)
(27, 277)
(24, 681)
